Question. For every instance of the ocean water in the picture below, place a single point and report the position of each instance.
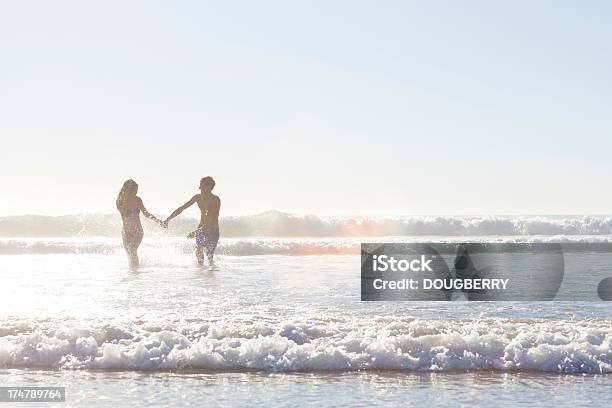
(280, 322)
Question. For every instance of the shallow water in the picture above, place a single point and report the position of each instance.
(283, 330)
(350, 389)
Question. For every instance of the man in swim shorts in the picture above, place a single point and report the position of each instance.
(207, 234)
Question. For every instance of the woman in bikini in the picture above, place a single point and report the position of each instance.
(130, 206)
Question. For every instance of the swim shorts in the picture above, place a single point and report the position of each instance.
(207, 239)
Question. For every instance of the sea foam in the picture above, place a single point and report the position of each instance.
(316, 344)
(279, 224)
(174, 247)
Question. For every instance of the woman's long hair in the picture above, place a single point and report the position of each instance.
(128, 185)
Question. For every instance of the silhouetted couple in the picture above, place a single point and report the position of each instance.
(206, 235)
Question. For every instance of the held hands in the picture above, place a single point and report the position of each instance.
(164, 224)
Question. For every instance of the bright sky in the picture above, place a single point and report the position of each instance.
(343, 107)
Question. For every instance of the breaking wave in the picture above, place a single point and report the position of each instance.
(316, 344)
(278, 224)
(176, 246)
(168, 247)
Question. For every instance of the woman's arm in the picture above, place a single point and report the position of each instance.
(148, 214)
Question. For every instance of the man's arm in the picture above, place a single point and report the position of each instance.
(181, 209)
